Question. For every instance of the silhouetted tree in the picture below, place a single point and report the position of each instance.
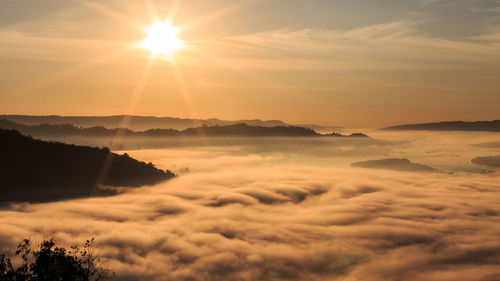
(51, 263)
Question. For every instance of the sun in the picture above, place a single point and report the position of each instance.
(162, 39)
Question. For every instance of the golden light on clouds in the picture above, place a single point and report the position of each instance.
(162, 39)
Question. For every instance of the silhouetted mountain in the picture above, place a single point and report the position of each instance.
(397, 164)
(143, 123)
(247, 130)
(485, 126)
(242, 129)
(36, 170)
(490, 161)
(136, 123)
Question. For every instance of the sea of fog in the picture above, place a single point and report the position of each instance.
(289, 209)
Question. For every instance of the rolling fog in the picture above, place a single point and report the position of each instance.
(289, 209)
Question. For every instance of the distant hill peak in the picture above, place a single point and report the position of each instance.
(484, 126)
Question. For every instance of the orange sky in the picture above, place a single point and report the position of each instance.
(383, 65)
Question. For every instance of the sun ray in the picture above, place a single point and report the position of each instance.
(75, 69)
(217, 14)
(174, 8)
(161, 47)
(153, 13)
(112, 14)
(136, 95)
(184, 89)
(217, 61)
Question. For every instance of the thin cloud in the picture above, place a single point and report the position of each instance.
(392, 45)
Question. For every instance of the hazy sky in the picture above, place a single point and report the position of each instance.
(360, 63)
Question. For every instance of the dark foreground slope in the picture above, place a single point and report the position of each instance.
(483, 126)
(35, 170)
(242, 129)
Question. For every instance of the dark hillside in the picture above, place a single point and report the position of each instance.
(35, 170)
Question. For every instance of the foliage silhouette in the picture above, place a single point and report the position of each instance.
(51, 263)
(36, 170)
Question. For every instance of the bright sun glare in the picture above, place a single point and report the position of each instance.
(162, 39)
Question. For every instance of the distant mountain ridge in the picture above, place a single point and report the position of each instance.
(136, 123)
(143, 123)
(242, 129)
(483, 126)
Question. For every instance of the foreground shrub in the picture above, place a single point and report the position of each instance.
(51, 263)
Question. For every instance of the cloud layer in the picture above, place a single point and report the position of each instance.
(240, 215)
